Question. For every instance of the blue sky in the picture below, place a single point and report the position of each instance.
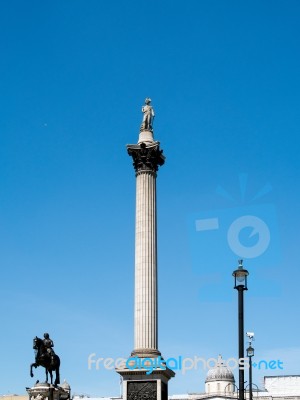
(224, 81)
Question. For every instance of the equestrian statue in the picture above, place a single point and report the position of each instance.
(46, 357)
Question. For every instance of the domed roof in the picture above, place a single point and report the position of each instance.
(220, 372)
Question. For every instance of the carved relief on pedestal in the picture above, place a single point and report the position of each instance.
(145, 390)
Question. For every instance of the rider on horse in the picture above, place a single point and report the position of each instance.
(48, 343)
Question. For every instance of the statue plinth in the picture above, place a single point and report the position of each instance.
(138, 384)
(146, 136)
(47, 391)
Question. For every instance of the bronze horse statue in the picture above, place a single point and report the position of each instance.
(44, 359)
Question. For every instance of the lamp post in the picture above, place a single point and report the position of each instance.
(240, 284)
(250, 354)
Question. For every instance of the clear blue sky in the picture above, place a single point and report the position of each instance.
(224, 80)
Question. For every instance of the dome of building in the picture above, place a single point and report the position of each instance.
(219, 379)
(220, 372)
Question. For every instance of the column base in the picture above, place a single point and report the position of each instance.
(145, 353)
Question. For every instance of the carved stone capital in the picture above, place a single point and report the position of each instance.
(146, 158)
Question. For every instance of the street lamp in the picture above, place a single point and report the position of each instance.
(240, 284)
(250, 354)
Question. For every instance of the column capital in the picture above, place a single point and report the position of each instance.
(146, 158)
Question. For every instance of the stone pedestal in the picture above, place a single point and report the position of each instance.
(146, 137)
(46, 391)
(138, 385)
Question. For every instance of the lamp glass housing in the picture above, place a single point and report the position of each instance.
(240, 278)
(250, 351)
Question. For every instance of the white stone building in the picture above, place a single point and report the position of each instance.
(220, 385)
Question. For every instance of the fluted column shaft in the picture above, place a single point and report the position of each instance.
(145, 314)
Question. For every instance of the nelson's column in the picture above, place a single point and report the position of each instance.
(138, 382)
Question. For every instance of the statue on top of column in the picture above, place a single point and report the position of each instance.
(148, 117)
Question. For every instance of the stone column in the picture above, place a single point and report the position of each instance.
(147, 157)
(138, 381)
